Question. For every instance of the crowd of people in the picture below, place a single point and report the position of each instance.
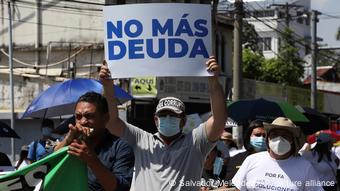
(121, 156)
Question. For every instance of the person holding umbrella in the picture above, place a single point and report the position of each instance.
(38, 149)
(280, 168)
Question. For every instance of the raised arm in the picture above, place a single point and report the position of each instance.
(115, 125)
(215, 124)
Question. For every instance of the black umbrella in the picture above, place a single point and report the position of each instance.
(6, 131)
(317, 120)
(62, 128)
(243, 111)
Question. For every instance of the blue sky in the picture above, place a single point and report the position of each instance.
(327, 28)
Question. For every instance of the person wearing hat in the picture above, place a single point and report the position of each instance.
(169, 159)
(280, 168)
(324, 161)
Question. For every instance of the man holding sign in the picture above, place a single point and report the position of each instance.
(169, 159)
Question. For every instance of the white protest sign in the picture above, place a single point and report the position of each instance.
(160, 39)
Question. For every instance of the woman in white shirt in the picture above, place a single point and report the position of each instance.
(23, 160)
(324, 161)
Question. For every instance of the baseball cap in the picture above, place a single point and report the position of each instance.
(170, 103)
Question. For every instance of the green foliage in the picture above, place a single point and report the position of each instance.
(279, 71)
(250, 38)
(252, 64)
(287, 68)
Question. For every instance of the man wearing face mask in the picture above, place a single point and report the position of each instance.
(280, 168)
(169, 159)
(44, 146)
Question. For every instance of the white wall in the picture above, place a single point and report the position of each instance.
(57, 24)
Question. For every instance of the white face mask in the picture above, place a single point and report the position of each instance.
(279, 145)
(169, 126)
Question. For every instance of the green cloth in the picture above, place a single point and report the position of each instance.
(59, 171)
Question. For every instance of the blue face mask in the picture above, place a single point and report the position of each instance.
(259, 143)
(218, 165)
(169, 126)
(46, 131)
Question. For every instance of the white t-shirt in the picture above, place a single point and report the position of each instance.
(261, 172)
(233, 151)
(336, 151)
(325, 169)
(23, 164)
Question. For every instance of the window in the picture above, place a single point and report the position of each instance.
(264, 13)
(265, 44)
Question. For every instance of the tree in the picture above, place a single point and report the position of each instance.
(338, 34)
(287, 68)
(277, 70)
(252, 64)
(250, 38)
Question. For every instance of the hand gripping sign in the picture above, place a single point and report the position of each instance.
(160, 39)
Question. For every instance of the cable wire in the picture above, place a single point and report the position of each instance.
(57, 26)
(47, 65)
(297, 35)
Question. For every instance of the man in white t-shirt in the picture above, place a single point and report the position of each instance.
(279, 168)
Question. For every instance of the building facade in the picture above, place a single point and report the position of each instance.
(58, 40)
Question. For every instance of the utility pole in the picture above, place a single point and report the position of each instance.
(237, 68)
(314, 46)
(38, 40)
(10, 63)
(287, 15)
(286, 7)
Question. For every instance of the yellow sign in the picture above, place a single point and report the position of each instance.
(144, 87)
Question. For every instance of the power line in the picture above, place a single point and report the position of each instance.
(56, 9)
(331, 16)
(84, 2)
(47, 65)
(59, 6)
(297, 35)
(58, 26)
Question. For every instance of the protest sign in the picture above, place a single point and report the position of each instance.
(58, 171)
(160, 39)
(143, 87)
